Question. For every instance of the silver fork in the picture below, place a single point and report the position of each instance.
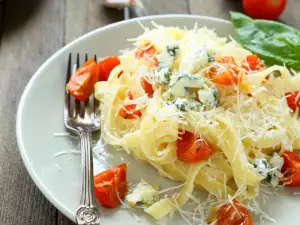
(79, 117)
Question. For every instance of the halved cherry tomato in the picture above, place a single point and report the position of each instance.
(81, 84)
(264, 9)
(227, 60)
(191, 148)
(147, 52)
(106, 65)
(221, 76)
(252, 62)
(225, 74)
(110, 186)
(147, 88)
(128, 111)
(293, 100)
(291, 168)
(233, 215)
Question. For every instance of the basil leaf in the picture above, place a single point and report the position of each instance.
(274, 42)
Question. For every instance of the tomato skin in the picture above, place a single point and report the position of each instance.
(291, 169)
(225, 74)
(147, 88)
(227, 60)
(147, 52)
(110, 186)
(227, 215)
(264, 9)
(81, 83)
(128, 111)
(106, 65)
(252, 62)
(293, 100)
(190, 149)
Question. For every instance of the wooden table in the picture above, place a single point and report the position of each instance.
(30, 32)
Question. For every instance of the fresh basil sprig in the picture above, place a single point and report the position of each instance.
(274, 42)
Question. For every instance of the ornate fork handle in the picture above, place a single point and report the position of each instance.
(87, 212)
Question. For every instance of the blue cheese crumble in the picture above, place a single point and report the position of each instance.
(262, 167)
(168, 55)
(208, 96)
(143, 193)
(270, 171)
(194, 61)
(180, 82)
(186, 105)
(162, 75)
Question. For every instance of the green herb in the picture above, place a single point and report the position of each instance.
(274, 42)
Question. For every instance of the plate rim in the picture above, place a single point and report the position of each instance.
(26, 160)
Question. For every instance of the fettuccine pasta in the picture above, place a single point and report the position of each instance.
(175, 82)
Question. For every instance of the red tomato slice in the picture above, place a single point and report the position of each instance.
(81, 84)
(110, 186)
(147, 88)
(227, 60)
(293, 100)
(225, 74)
(191, 148)
(264, 9)
(106, 66)
(128, 111)
(291, 168)
(147, 52)
(252, 62)
(233, 215)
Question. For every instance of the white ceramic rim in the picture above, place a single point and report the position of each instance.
(22, 149)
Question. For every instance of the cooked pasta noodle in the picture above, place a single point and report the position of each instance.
(241, 120)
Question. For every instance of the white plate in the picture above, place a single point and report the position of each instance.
(40, 115)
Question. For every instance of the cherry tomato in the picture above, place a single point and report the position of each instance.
(147, 52)
(225, 74)
(264, 9)
(106, 65)
(293, 100)
(81, 84)
(291, 168)
(252, 62)
(110, 186)
(227, 60)
(233, 215)
(147, 88)
(191, 148)
(128, 111)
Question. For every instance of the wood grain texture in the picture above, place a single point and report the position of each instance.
(92, 15)
(30, 35)
(154, 7)
(215, 8)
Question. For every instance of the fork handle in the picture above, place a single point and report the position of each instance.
(87, 213)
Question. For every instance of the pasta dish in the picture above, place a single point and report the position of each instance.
(203, 110)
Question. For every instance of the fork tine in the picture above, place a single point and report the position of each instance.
(67, 108)
(77, 102)
(69, 70)
(92, 98)
(83, 105)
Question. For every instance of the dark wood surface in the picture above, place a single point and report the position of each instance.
(30, 32)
